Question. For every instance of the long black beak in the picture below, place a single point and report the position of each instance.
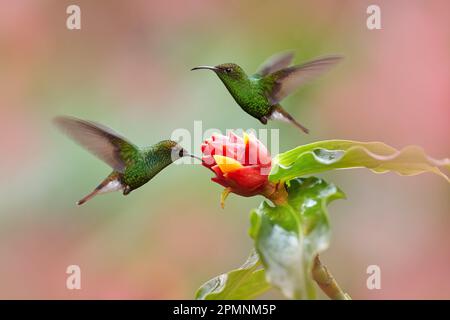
(195, 157)
(205, 67)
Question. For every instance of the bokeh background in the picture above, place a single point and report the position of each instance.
(128, 67)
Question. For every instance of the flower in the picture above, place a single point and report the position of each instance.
(241, 165)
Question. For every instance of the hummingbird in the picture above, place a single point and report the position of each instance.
(260, 94)
(132, 166)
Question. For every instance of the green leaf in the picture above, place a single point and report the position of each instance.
(343, 154)
(289, 237)
(246, 282)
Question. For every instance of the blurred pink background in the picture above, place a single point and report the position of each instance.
(128, 68)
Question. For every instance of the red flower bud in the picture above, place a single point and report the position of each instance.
(241, 165)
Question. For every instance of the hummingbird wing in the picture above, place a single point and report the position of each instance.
(281, 83)
(275, 63)
(101, 141)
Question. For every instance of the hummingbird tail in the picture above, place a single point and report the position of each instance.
(88, 197)
(278, 113)
(111, 183)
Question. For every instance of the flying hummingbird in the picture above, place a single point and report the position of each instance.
(132, 166)
(260, 94)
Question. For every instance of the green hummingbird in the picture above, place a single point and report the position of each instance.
(132, 166)
(260, 94)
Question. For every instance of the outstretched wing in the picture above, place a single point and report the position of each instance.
(101, 141)
(281, 83)
(275, 63)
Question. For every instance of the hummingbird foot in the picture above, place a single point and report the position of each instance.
(263, 120)
(126, 190)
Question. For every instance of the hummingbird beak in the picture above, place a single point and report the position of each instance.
(205, 67)
(195, 157)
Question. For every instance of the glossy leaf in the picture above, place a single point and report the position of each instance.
(289, 237)
(343, 154)
(246, 282)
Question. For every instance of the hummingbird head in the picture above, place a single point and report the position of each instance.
(227, 72)
(176, 151)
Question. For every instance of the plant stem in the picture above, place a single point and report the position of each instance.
(276, 193)
(327, 282)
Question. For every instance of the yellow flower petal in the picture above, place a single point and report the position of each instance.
(224, 196)
(227, 164)
(246, 137)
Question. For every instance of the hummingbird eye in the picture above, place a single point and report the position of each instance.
(181, 153)
(228, 70)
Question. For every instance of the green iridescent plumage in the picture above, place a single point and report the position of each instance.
(260, 94)
(132, 166)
